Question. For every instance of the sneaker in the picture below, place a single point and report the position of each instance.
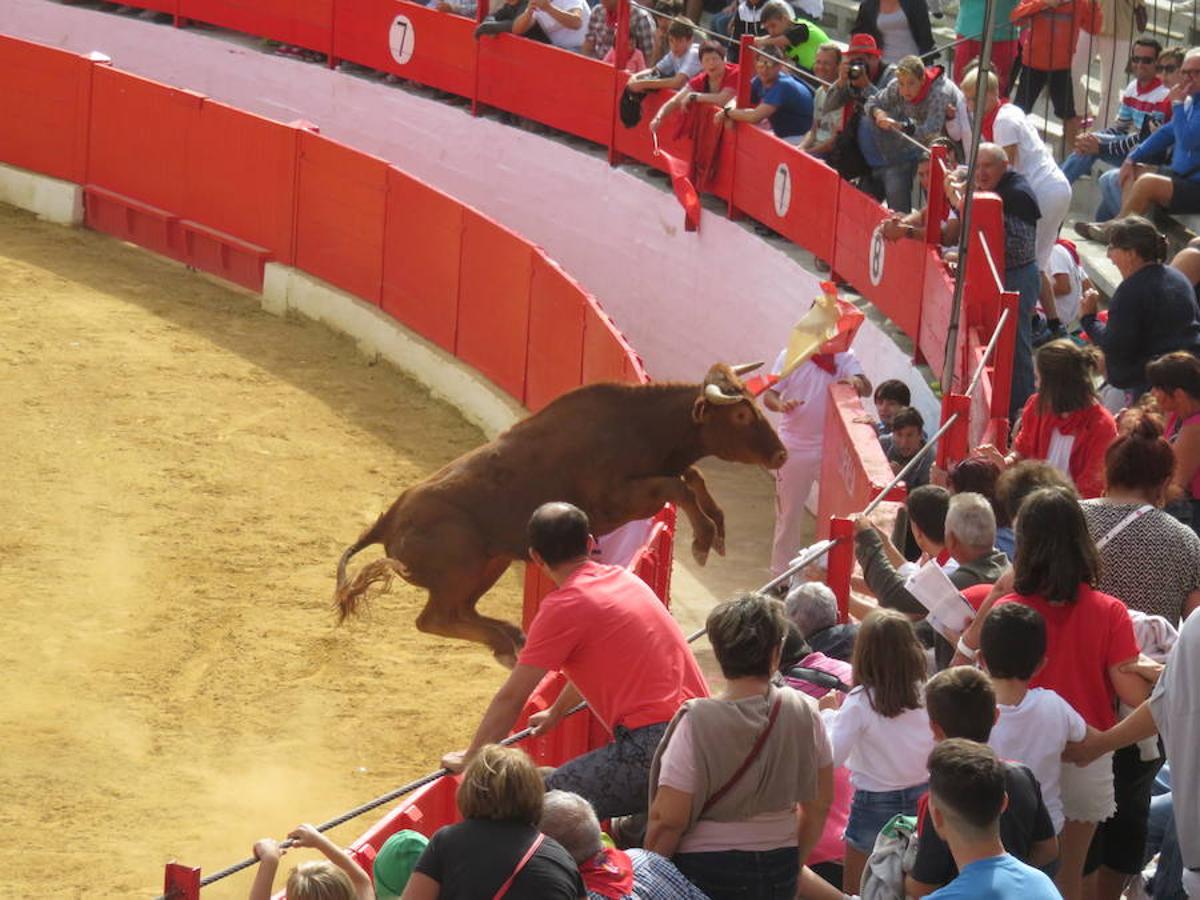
(1093, 231)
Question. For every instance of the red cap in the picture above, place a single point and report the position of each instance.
(863, 43)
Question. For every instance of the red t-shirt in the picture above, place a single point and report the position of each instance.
(699, 82)
(1083, 639)
(608, 632)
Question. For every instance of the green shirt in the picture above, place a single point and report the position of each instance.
(970, 20)
(806, 39)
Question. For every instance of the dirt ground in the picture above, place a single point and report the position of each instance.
(178, 475)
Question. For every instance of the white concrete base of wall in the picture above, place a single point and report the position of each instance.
(378, 334)
(48, 198)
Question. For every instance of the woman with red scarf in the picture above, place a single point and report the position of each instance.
(913, 104)
(1064, 422)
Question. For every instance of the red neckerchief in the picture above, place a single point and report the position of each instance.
(1154, 83)
(931, 75)
(989, 122)
(609, 873)
(1070, 247)
(825, 362)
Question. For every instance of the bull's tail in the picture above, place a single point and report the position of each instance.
(349, 595)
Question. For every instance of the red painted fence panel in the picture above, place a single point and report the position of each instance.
(421, 259)
(493, 302)
(556, 316)
(340, 215)
(149, 164)
(937, 298)
(563, 90)
(412, 41)
(44, 100)
(888, 273)
(787, 190)
(606, 354)
(853, 467)
(241, 177)
(307, 23)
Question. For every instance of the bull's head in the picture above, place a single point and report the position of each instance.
(732, 426)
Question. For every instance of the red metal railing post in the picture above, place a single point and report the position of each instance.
(1002, 361)
(955, 443)
(841, 563)
(481, 13)
(743, 99)
(181, 882)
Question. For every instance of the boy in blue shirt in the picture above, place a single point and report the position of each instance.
(787, 102)
(966, 797)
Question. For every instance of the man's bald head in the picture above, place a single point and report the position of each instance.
(990, 166)
(558, 532)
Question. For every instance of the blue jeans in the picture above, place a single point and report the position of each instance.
(743, 874)
(1079, 164)
(1027, 282)
(1110, 196)
(1162, 839)
(871, 810)
(897, 180)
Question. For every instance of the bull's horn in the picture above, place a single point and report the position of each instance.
(714, 394)
(745, 368)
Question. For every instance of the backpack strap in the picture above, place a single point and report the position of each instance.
(753, 755)
(533, 848)
(1123, 524)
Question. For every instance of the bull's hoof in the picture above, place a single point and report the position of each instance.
(718, 544)
(700, 553)
(508, 660)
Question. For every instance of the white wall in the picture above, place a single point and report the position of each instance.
(684, 300)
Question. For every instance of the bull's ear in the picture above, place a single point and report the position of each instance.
(699, 408)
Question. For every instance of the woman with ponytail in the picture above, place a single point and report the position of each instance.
(1063, 423)
(1153, 311)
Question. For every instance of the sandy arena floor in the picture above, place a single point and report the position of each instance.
(178, 475)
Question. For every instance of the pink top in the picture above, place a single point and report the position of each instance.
(607, 632)
(1174, 427)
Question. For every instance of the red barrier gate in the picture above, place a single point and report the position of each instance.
(307, 23)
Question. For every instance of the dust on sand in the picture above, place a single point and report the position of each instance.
(178, 475)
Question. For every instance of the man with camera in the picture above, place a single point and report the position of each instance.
(862, 75)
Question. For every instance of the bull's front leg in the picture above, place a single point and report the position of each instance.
(695, 482)
(643, 497)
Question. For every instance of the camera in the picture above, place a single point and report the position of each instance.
(857, 71)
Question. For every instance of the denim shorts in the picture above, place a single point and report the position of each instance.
(871, 810)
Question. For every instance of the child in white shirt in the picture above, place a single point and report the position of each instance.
(881, 732)
(1034, 725)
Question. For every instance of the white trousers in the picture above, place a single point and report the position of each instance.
(793, 484)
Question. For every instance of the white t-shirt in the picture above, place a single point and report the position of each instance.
(1034, 733)
(897, 37)
(1033, 159)
(688, 64)
(1062, 263)
(1058, 454)
(881, 754)
(803, 427)
(766, 831)
(560, 35)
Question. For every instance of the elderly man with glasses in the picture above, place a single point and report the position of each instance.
(1144, 107)
(1177, 187)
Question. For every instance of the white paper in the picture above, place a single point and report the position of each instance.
(949, 611)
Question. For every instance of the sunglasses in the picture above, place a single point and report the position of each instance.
(1167, 70)
(1145, 60)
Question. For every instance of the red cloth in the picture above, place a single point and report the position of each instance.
(976, 594)
(616, 642)
(1052, 32)
(609, 874)
(1094, 429)
(699, 82)
(931, 75)
(685, 191)
(1083, 639)
(825, 362)
(988, 128)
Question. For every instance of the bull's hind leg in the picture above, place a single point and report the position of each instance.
(643, 497)
(450, 611)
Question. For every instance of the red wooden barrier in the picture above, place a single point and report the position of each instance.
(853, 468)
(556, 316)
(787, 190)
(422, 258)
(165, 6)
(841, 563)
(148, 164)
(493, 302)
(564, 90)
(885, 272)
(44, 109)
(937, 299)
(306, 23)
(241, 177)
(955, 444)
(606, 354)
(409, 40)
(131, 220)
(341, 196)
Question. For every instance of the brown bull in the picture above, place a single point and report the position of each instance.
(618, 452)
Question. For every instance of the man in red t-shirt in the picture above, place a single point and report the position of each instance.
(620, 649)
